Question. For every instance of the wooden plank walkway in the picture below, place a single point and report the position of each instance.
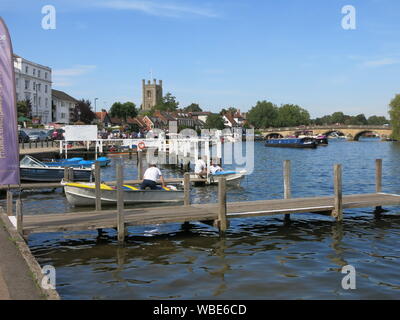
(199, 212)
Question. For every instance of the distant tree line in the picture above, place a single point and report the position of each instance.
(265, 114)
(341, 118)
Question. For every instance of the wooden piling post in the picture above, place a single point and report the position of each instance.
(287, 190)
(97, 185)
(338, 211)
(186, 186)
(120, 205)
(9, 203)
(18, 216)
(378, 182)
(140, 165)
(71, 174)
(66, 174)
(222, 220)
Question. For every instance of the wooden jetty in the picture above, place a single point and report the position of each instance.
(218, 214)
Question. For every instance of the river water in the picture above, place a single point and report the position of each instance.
(259, 258)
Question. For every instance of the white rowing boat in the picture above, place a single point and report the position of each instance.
(232, 177)
(84, 194)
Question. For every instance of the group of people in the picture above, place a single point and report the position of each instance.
(153, 174)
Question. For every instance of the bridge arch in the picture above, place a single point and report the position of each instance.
(328, 133)
(363, 132)
(273, 135)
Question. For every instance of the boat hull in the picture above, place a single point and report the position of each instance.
(52, 174)
(79, 197)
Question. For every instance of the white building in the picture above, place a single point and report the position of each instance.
(33, 82)
(63, 106)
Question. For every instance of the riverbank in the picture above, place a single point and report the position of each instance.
(19, 271)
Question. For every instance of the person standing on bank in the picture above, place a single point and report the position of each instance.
(150, 177)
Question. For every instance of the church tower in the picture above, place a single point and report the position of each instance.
(151, 94)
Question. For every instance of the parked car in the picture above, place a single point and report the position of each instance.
(55, 134)
(37, 135)
(22, 136)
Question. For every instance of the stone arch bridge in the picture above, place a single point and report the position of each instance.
(352, 132)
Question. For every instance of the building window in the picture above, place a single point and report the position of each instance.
(46, 102)
(26, 84)
(38, 73)
(45, 88)
(34, 71)
(62, 115)
(34, 85)
(26, 69)
(40, 101)
(148, 94)
(45, 75)
(38, 86)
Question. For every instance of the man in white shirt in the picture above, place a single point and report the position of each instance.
(200, 167)
(150, 177)
(215, 168)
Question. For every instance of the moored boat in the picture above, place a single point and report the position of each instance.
(78, 162)
(84, 194)
(32, 169)
(306, 142)
(232, 177)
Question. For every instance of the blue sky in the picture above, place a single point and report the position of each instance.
(217, 53)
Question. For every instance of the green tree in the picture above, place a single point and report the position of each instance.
(290, 115)
(194, 107)
(215, 121)
(123, 110)
(394, 112)
(337, 117)
(168, 103)
(24, 108)
(377, 120)
(230, 110)
(83, 111)
(263, 115)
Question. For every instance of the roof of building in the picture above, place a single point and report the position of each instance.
(102, 115)
(230, 119)
(61, 95)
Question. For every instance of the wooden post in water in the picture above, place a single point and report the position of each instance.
(120, 205)
(18, 216)
(378, 182)
(9, 203)
(186, 186)
(338, 211)
(222, 220)
(97, 185)
(140, 165)
(287, 190)
(66, 174)
(71, 174)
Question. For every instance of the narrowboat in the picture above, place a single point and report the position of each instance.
(306, 142)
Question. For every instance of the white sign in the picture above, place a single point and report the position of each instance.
(81, 133)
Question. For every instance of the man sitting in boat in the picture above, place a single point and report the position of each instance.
(200, 168)
(150, 177)
(215, 168)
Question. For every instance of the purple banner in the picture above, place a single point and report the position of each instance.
(9, 147)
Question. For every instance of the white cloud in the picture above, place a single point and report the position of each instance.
(380, 62)
(65, 77)
(158, 8)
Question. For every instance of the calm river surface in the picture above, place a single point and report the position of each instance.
(260, 258)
